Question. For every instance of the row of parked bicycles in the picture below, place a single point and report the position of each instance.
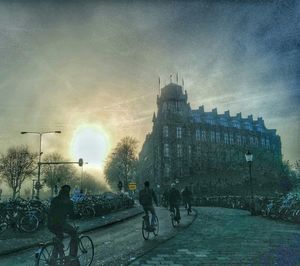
(285, 207)
(29, 215)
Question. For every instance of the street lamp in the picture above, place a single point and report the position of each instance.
(38, 182)
(249, 159)
(82, 175)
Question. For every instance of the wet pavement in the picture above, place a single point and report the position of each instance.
(12, 240)
(229, 237)
(118, 244)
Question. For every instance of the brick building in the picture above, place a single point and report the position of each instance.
(205, 149)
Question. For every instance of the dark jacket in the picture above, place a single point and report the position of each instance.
(174, 196)
(60, 208)
(147, 196)
(187, 195)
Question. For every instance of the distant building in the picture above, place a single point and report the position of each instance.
(205, 150)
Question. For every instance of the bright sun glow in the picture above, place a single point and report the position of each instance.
(91, 143)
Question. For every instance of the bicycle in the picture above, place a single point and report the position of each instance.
(54, 253)
(175, 222)
(154, 227)
(23, 221)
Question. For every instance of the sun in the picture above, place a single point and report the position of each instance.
(91, 143)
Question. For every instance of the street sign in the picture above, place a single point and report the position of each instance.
(132, 186)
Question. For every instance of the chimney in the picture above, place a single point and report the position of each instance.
(239, 115)
(215, 111)
(201, 109)
(227, 113)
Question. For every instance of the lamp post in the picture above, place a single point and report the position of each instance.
(82, 175)
(249, 159)
(38, 182)
(32, 196)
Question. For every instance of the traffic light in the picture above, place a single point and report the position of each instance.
(120, 185)
(80, 162)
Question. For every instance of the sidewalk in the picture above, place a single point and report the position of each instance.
(22, 241)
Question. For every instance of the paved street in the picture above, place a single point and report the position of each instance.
(117, 244)
(229, 237)
(12, 240)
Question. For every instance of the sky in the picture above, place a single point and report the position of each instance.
(65, 65)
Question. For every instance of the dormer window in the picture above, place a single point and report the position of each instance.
(166, 131)
(178, 132)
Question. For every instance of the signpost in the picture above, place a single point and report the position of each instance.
(132, 186)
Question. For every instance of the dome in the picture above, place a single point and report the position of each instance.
(172, 91)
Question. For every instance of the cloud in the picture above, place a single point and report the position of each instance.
(63, 64)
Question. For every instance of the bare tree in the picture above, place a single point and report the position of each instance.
(122, 162)
(16, 166)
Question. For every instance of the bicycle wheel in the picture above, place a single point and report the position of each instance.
(44, 254)
(85, 251)
(155, 225)
(174, 222)
(145, 232)
(3, 224)
(89, 212)
(29, 223)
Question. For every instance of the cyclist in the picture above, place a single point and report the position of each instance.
(187, 198)
(146, 198)
(60, 208)
(174, 201)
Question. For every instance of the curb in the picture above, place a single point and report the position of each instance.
(164, 241)
(37, 244)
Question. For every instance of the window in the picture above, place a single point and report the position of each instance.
(226, 138)
(231, 139)
(190, 151)
(178, 132)
(203, 135)
(251, 141)
(268, 143)
(166, 150)
(239, 140)
(166, 131)
(244, 140)
(179, 150)
(263, 142)
(212, 136)
(256, 141)
(167, 170)
(197, 134)
(248, 126)
(198, 150)
(218, 137)
(223, 122)
(236, 124)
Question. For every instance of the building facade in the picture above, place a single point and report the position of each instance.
(205, 150)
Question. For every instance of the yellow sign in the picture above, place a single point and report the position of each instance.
(132, 186)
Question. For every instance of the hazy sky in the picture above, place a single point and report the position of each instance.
(67, 64)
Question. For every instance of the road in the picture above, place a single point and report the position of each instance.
(221, 236)
(117, 244)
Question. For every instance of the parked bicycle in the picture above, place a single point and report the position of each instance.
(54, 252)
(18, 217)
(154, 227)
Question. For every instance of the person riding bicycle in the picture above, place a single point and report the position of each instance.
(174, 201)
(146, 198)
(187, 198)
(60, 208)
